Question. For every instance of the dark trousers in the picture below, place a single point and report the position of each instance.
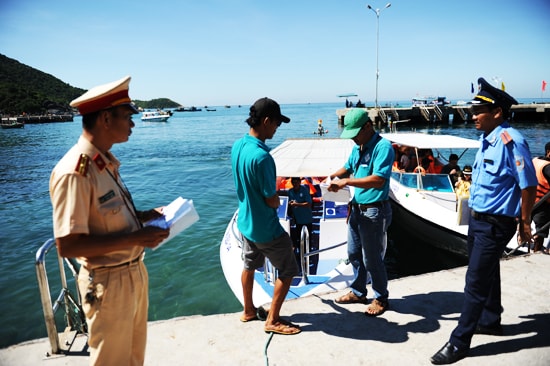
(487, 239)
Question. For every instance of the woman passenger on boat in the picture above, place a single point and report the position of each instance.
(462, 189)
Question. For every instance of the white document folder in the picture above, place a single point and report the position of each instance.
(177, 216)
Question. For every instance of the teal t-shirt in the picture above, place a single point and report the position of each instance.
(255, 176)
(302, 214)
(376, 160)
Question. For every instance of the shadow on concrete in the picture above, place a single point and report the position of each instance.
(535, 331)
(430, 308)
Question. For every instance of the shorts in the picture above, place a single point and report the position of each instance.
(278, 251)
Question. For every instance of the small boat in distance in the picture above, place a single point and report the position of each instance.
(155, 116)
(11, 122)
(189, 109)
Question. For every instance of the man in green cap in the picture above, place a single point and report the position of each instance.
(368, 171)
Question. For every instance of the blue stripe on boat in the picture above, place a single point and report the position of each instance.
(295, 290)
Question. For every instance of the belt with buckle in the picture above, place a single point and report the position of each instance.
(364, 206)
(492, 219)
(125, 264)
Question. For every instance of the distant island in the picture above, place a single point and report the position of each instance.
(26, 90)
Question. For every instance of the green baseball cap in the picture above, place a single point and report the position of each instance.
(354, 120)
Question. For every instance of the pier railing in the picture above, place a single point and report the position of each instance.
(74, 319)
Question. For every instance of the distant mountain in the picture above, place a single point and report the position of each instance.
(159, 103)
(24, 89)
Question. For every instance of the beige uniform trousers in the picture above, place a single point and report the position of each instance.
(115, 302)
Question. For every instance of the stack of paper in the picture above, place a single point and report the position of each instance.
(343, 195)
(177, 216)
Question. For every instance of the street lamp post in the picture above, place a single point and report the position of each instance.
(377, 12)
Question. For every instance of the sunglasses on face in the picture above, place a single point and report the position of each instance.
(480, 109)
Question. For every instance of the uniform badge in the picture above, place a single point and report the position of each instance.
(98, 160)
(520, 163)
(82, 165)
(106, 197)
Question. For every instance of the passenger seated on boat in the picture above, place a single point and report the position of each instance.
(286, 184)
(400, 156)
(452, 168)
(424, 168)
(404, 158)
(462, 186)
(413, 161)
(435, 166)
(300, 208)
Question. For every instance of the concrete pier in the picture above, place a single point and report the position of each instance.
(451, 114)
(47, 118)
(423, 311)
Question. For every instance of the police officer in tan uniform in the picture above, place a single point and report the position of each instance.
(95, 220)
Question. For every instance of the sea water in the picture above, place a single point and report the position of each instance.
(187, 156)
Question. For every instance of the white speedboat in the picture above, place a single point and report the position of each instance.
(155, 116)
(425, 206)
(302, 158)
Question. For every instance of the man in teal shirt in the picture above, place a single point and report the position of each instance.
(368, 171)
(300, 204)
(255, 180)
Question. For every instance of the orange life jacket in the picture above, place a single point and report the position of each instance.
(544, 186)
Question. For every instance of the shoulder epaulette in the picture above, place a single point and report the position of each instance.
(505, 137)
(83, 164)
(99, 162)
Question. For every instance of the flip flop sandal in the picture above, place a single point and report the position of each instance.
(284, 328)
(377, 307)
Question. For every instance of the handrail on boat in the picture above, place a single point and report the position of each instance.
(304, 248)
(74, 316)
(270, 272)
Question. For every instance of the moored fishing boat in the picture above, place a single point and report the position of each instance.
(425, 205)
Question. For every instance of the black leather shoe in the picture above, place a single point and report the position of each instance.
(494, 330)
(448, 354)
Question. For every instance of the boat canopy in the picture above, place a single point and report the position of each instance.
(346, 95)
(425, 141)
(311, 157)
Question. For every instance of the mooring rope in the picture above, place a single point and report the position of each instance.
(266, 346)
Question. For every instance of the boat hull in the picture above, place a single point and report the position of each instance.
(435, 218)
(156, 119)
(334, 271)
(419, 229)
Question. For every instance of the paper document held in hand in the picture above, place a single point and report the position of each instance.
(343, 194)
(177, 216)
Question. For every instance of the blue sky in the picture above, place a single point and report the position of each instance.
(217, 52)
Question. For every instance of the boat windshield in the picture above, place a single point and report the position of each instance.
(428, 182)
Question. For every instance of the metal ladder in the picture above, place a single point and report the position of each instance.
(75, 321)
